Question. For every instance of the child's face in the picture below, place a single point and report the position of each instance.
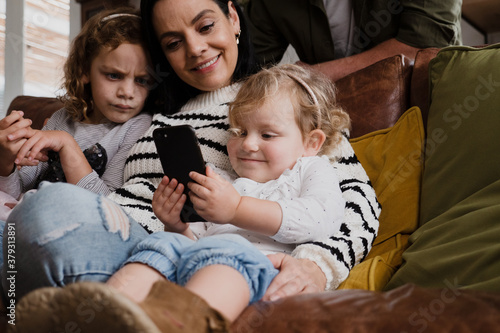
(271, 141)
(119, 83)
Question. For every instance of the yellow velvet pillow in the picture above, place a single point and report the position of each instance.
(393, 160)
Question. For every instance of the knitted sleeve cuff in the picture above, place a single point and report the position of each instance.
(334, 271)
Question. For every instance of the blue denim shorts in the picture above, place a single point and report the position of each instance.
(178, 258)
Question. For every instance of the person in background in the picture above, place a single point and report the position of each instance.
(339, 37)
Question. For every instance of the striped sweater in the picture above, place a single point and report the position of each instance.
(337, 255)
(207, 114)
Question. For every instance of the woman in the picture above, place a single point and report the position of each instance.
(66, 234)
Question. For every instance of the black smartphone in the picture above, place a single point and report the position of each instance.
(180, 154)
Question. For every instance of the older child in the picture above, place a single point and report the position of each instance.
(86, 143)
(281, 119)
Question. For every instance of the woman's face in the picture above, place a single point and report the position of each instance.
(198, 40)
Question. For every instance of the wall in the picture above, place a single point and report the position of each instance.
(472, 37)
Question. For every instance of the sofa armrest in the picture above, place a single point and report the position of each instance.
(406, 309)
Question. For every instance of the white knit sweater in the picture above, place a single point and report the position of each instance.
(207, 114)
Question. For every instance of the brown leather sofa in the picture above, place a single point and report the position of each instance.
(375, 97)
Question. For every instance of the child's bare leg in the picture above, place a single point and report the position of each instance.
(135, 280)
(223, 288)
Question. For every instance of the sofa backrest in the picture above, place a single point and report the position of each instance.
(375, 97)
(35, 108)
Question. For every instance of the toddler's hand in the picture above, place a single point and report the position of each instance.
(168, 201)
(213, 197)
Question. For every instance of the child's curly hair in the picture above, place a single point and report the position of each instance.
(312, 94)
(103, 30)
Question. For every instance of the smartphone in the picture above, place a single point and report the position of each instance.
(180, 154)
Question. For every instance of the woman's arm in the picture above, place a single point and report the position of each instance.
(338, 254)
(338, 68)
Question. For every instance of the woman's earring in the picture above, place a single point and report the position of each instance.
(238, 37)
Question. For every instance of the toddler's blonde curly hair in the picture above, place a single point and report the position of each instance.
(312, 94)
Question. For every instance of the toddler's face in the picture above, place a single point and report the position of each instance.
(119, 83)
(270, 141)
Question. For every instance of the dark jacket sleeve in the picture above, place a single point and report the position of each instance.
(430, 23)
(268, 41)
(303, 24)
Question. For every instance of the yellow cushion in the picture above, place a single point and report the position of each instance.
(393, 161)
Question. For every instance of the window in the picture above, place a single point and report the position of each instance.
(2, 55)
(45, 43)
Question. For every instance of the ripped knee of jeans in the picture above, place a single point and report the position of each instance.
(58, 233)
(115, 218)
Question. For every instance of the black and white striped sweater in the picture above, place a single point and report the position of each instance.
(207, 113)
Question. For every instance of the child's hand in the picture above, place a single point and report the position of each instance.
(168, 201)
(14, 131)
(73, 161)
(36, 148)
(213, 197)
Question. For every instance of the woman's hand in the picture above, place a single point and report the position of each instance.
(296, 276)
(14, 131)
(168, 201)
(213, 197)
